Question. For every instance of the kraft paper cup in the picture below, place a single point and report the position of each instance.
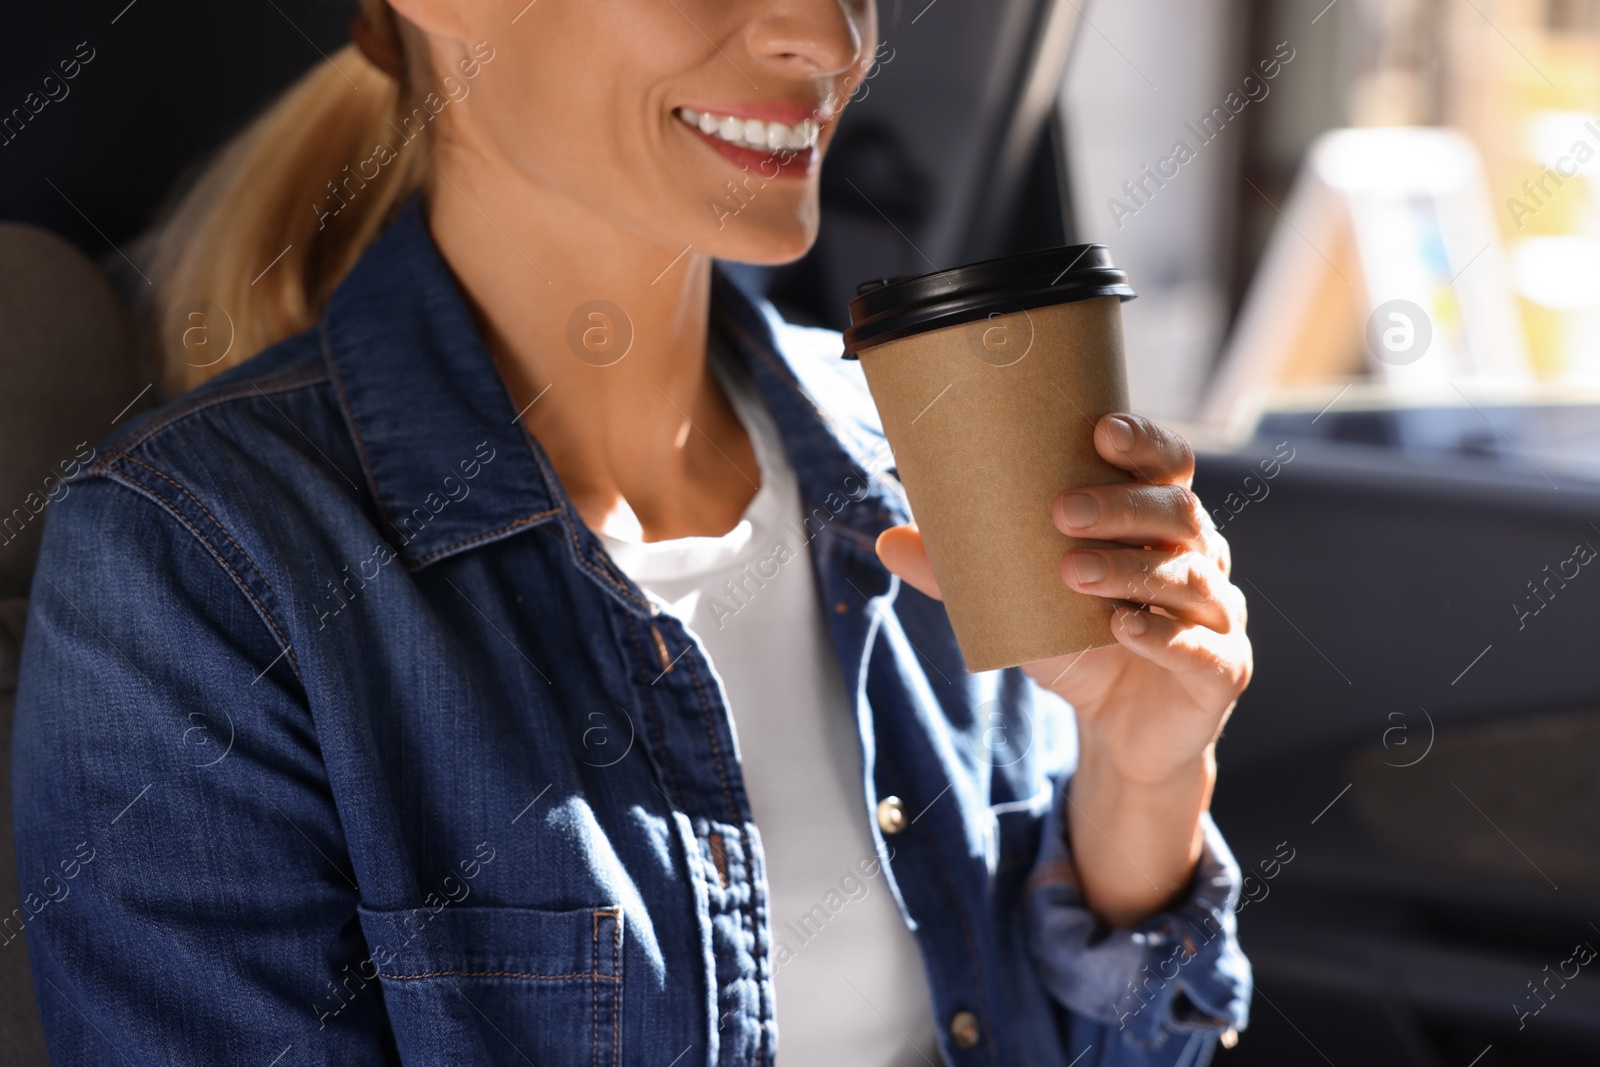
(989, 380)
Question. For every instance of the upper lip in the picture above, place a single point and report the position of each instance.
(787, 111)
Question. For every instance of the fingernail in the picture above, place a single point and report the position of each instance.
(1136, 623)
(1089, 566)
(1121, 432)
(1079, 510)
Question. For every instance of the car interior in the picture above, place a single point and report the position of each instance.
(1408, 783)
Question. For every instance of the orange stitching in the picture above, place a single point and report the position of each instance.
(486, 536)
(655, 722)
(633, 639)
(372, 477)
(572, 532)
(283, 381)
(744, 838)
(237, 547)
(716, 751)
(344, 401)
(719, 858)
(185, 490)
(594, 991)
(493, 974)
(589, 566)
(661, 650)
(294, 661)
(616, 997)
(594, 1041)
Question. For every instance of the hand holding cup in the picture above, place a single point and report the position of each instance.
(1156, 699)
(1149, 708)
(1062, 535)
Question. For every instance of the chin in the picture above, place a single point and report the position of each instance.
(773, 253)
(767, 243)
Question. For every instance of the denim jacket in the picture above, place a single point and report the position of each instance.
(340, 740)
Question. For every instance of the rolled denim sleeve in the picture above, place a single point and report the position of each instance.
(188, 895)
(1162, 991)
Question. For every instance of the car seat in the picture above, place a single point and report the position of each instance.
(68, 380)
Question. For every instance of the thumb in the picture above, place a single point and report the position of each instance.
(902, 551)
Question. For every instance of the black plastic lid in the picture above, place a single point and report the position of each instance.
(888, 309)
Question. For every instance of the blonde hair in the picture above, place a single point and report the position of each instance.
(215, 284)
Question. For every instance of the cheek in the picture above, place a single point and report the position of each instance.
(602, 135)
(570, 124)
(537, 118)
(576, 85)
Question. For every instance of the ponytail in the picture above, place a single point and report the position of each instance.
(298, 184)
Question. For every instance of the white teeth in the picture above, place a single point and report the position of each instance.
(753, 133)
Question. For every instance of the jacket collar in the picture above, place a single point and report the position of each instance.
(448, 460)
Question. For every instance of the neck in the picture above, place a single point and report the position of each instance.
(618, 394)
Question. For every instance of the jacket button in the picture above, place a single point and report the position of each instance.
(891, 815)
(964, 1029)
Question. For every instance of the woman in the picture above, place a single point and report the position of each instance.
(527, 658)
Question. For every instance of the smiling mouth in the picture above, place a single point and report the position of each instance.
(754, 135)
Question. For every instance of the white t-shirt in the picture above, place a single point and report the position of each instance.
(850, 984)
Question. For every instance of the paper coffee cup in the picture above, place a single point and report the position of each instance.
(989, 380)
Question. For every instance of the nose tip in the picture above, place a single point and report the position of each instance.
(808, 38)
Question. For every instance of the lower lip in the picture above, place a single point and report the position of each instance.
(779, 163)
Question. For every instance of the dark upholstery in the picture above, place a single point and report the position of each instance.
(66, 374)
(21, 1041)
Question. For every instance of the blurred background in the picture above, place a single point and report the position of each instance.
(1366, 241)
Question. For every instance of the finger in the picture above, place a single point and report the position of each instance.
(1136, 513)
(1146, 448)
(1187, 584)
(902, 551)
(1220, 660)
(1214, 544)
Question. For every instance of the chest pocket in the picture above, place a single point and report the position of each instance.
(475, 987)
